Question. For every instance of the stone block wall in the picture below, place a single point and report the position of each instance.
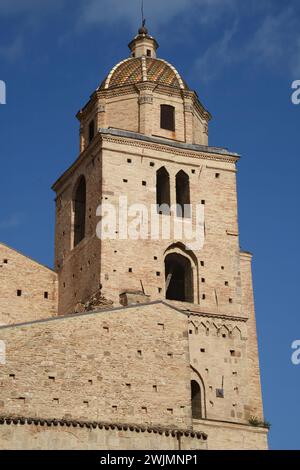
(28, 290)
(127, 365)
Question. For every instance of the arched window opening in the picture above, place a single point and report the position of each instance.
(91, 130)
(79, 207)
(183, 200)
(167, 117)
(196, 400)
(179, 278)
(163, 191)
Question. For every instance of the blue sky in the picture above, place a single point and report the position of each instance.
(241, 57)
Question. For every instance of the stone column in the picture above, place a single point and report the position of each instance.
(188, 117)
(145, 107)
(101, 115)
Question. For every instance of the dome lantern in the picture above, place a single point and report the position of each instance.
(143, 44)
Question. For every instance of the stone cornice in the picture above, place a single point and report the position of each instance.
(117, 136)
(162, 145)
(52, 422)
(219, 316)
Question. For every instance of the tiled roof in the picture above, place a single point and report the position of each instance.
(143, 69)
(22, 420)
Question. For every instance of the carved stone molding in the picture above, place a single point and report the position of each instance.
(164, 148)
(146, 99)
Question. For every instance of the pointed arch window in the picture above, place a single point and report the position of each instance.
(79, 208)
(163, 191)
(183, 199)
(196, 400)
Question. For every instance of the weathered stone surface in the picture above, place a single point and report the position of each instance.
(131, 361)
(37, 286)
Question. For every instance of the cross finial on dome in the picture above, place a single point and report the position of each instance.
(143, 29)
(143, 44)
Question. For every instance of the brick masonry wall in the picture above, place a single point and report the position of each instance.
(20, 273)
(37, 437)
(228, 436)
(216, 264)
(127, 365)
(130, 366)
(124, 167)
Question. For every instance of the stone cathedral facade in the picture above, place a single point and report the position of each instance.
(135, 342)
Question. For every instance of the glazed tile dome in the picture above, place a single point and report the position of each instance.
(143, 69)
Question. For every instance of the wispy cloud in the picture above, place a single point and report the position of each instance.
(19, 7)
(218, 55)
(157, 11)
(271, 36)
(12, 221)
(13, 50)
(273, 43)
(276, 42)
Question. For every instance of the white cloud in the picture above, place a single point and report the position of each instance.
(157, 12)
(274, 43)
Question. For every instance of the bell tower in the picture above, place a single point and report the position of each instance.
(139, 137)
(144, 153)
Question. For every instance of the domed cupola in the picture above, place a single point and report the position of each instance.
(143, 66)
(146, 95)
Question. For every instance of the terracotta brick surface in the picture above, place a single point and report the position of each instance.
(135, 364)
(33, 280)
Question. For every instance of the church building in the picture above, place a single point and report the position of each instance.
(135, 342)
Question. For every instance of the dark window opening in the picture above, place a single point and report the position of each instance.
(5, 261)
(196, 400)
(91, 130)
(183, 195)
(46, 295)
(148, 53)
(19, 293)
(163, 191)
(79, 205)
(167, 117)
(179, 278)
